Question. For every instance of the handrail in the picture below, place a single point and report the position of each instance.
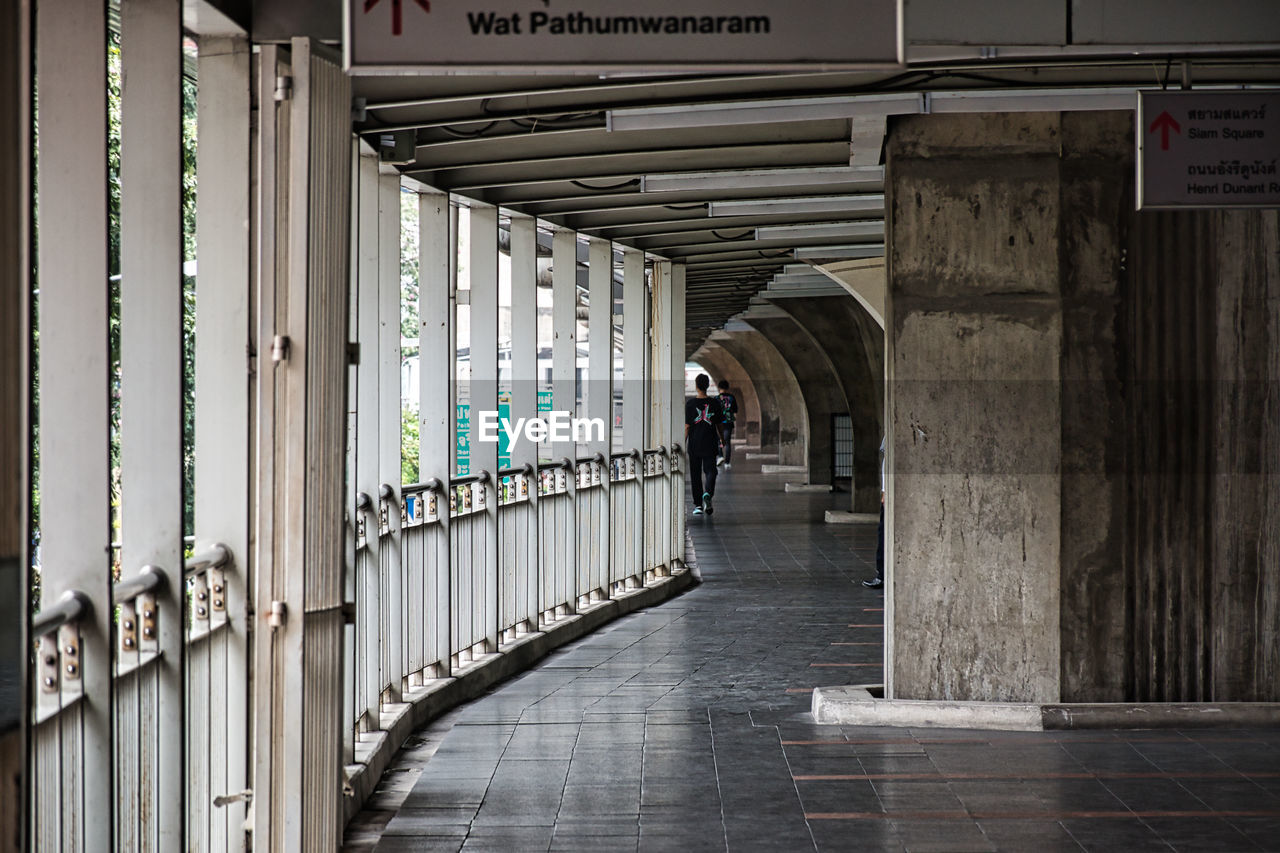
(627, 454)
(599, 457)
(72, 607)
(216, 556)
(526, 469)
(675, 447)
(150, 579)
(479, 477)
(432, 484)
(558, 463)
(662, 448)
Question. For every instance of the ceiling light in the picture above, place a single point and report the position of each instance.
(820, 204)
(822, 230)
(735, 179)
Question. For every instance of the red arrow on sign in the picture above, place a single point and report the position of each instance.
(397, 14)
(1164, 123)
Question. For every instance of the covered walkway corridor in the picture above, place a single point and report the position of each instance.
(339, 386)
(686, 727)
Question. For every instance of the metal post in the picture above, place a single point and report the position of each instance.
(524, 376)
(658, 516)
(151, 403)
(15, 424)
(635, 403)
(484, 398)
(74, 481)
(564, 359)
(436, 403)
(223, 336)
(367, 321)
(676, 313)
(271, 125)
(311, 374)
(600, 394)
(388, 306)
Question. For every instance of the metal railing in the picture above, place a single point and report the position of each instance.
(154, 711)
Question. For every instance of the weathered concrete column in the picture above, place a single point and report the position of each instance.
(1084, 408)
(974, 331)
(823, 393)
(784, 419)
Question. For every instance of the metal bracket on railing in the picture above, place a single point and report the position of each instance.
(277, 615)
(244, 796)
(386, 495)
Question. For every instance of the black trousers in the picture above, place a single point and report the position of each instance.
(726, 436)
(880, 546)
(700, 468)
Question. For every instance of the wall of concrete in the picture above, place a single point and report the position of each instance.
(1084, 405)
(784, 422)
(854, 344)
(819, 383)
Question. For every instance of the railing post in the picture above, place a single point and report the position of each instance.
(600, 397)
(662, 417)
(524, 382)
(484, 398)
(151, 814)
(75, 523)
(635, 403)
(679, 458)
(223, 336)
(366, 322)
(15, 421)
(435, 394)
(564, 360)
(389, 424)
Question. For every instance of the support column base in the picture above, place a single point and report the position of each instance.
(858, 706)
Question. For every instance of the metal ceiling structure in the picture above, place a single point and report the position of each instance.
(738, 176)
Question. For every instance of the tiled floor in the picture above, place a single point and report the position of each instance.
(684, 727)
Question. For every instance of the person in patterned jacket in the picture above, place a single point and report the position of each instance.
(703, 422)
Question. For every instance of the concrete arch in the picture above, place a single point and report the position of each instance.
(819, 385)
(724, 366)
(854, 345)
(784, 420)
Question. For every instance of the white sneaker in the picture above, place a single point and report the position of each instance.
(719, 460)
(697, 510)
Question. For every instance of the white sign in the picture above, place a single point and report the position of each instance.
(444, 35)
(1208, 149)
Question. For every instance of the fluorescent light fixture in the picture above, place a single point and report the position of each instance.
(820, 204)
(842, 253)
(762, 112)
(822, 230)
(737, 179)
(1032, 100)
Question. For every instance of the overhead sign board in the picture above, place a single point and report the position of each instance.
(603, 35)
(1208, 149)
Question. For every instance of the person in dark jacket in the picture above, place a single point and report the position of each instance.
(729, 404)
(703, 422)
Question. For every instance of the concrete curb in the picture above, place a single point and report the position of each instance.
(783, 469)
(376, 750)
(807, 487)
(844, 516)
(751, 456)
(856, 706)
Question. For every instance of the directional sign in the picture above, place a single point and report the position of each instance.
(602, 35)
(1208, 149)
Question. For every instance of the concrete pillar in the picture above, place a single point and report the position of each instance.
(1083, 415)
(784, 419)
(854, 344)
(819, 382)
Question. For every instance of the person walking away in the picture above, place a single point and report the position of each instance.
(703, 420)
(729, 404)
(878, 581)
